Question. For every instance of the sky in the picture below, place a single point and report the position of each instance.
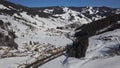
(76, 3)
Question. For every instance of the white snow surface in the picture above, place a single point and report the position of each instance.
(68, 13)
(54, 63)
(112, 62)
(12, 62)
(3, 7)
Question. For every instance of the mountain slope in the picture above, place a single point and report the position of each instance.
(35, 31)
(82, 34)
(28, 22)
(103, 51)
(80, 14)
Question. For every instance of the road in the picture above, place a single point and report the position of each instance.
(37, 63)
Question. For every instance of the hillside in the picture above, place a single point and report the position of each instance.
(28, 34)
(82, 33)
(103, 51)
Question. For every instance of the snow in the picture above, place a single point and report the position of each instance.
(48, 35)
(96, 57)
(48, 10)
(74, 63)
(54, 63)
(42, 33)
(90, 10)
(29, 18)
(57, 41)
(12, 62)
(104, 63)
(68, 13)
(54, 40)
(3, 7)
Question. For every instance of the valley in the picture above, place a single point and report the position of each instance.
(29, 35)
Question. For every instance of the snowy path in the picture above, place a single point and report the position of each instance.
(40, 62)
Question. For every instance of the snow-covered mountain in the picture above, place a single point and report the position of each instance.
(80, 14)
(30, 23)
(97, 27)
(33, 32)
